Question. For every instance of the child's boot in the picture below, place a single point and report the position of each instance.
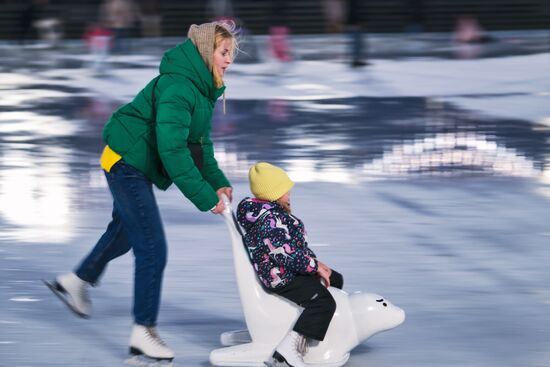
(146, 340)
(290, 350)
(73, 291)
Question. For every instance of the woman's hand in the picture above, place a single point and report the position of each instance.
(324, 272)
(228, 191)
(219, 208)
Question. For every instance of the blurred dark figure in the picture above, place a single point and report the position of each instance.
(279, 30)
(416, 22)
(150, 18)
(119, 16)
(36, 22)
(221, 10)
(355, 31)
(28, 17)
(335, 15)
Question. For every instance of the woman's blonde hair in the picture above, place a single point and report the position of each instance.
(224, 31)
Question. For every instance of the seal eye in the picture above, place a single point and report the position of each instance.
(380, 300)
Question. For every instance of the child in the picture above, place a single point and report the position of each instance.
(277, 243)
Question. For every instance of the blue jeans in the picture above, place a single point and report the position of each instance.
(136, 225)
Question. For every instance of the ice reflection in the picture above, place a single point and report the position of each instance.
(9, 80)
(24, 299)
(307, 170)
(377, 138)
(34, 179)
(345, 141)
(35, 196)
(233, 161)
(544, 190)
(451, 153)
(310, 106)
(24, 125)
(10, 99)
(307, 87)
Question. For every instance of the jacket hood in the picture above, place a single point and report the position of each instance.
(185, 60)
(250, 209)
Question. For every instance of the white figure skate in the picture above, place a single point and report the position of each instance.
(73, 292)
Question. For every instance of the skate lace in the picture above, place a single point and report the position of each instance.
(84, 295)
(302, 345)
(153, 335)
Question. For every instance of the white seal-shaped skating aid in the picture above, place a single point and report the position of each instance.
(269, 318)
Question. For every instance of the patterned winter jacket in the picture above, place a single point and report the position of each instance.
(276, 242)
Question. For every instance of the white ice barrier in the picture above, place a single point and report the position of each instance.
(269, 317)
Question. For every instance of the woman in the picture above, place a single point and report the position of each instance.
(160, 138)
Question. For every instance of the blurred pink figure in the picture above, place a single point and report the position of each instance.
(278, 110)
(468, 30)
(279, 43)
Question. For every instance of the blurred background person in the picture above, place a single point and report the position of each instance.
(99, 41)
(119, 16)
(468, 30)
(335, 15)
(28, 16)
(37, 21)
(150, 18)
(355, 31)
(221, 10)
(416, 16)
(279, 30)
(468, 37)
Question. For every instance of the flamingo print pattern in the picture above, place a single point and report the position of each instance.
(276, 242)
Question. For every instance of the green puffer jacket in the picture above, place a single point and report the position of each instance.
(185, 97)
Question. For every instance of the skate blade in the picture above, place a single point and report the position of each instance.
(272, 362)
(143, 361)
(54, 288)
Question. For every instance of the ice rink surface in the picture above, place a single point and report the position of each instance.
(423, 178)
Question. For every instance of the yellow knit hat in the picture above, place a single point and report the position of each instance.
(268, 182)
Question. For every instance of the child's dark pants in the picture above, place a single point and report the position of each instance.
(319, 305)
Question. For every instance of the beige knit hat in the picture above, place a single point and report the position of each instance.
(203, 37)
(268, 182)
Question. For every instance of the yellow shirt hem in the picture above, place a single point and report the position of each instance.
(108, 158)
